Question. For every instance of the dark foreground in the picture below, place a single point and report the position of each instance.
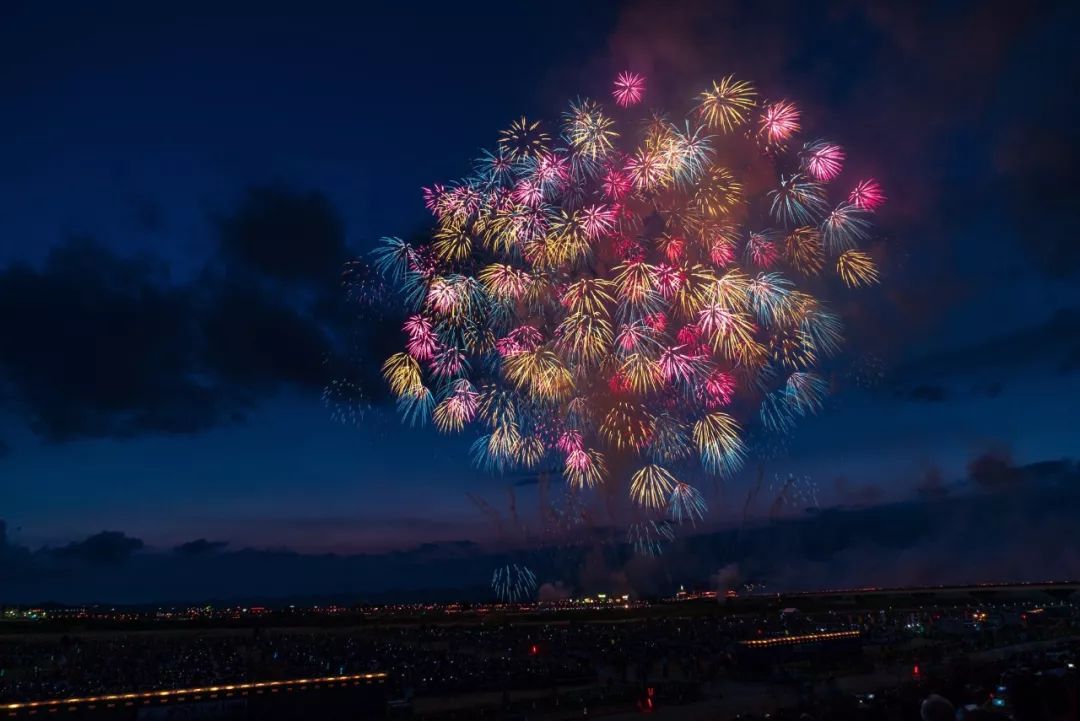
(992, 655)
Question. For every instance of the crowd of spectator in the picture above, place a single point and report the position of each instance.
(592, 663)
(424, 659)
(1036, 685)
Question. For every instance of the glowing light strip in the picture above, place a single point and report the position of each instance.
(169, 693)
(784, 640)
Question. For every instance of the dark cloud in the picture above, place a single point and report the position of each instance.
(994, 469)
(1016, 532)
(99, 345)
(104, 547)
(856, 494)
(254, 340)
(932, 486)
(285, 234)
(532, 479)
(199, 547)
(105, 567)
(928, 394)
(1048, 471)
(1052, 342)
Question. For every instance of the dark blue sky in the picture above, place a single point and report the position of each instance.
(134, 140)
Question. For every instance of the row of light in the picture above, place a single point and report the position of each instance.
(786, 640)
(168, 693)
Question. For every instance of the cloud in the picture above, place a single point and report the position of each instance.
(99, 345)
(1018, 523)
(994, 469)
(254, 340)
(284, 234)
(1011, 534)
(932, 486)
(104, 547)
(856, 494)
(106, 567)
(1051, 342)
(199, 547)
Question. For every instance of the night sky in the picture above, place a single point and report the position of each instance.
(178, 194)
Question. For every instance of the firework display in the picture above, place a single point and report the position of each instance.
(621, 300)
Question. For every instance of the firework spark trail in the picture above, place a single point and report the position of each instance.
(513, 583)
(649, 538)
(609, 300)
(793, 492)
(346, 402)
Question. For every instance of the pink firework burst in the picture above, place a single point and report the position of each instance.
(823, 160)
(779, 121)
(668, 280)
(656, 321)
(717, 390)
(423, 342)
(570, 440)
(619, 382)
(867, 195)
(761, 249)
(615, 183)
(432, 196)
(598, 220)
(629, 89)
(528, 193)
(680, 364)
(520, 340)
(688, 335)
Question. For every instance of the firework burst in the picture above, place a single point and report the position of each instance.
(523, 139)
(610, 302)
(867, 195)
(822, 160)
(856, 268)
(629, 89)
(727, 104)
(779, 121)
